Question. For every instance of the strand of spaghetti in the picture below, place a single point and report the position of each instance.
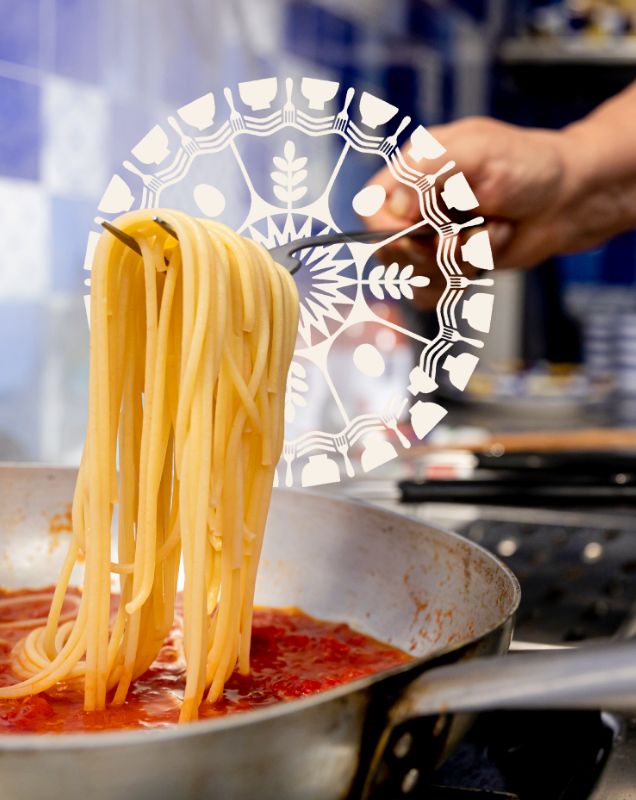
(68, 656)
(157, 445)
(261, 504)
(156, 332)
(129, 477)
(77, 517)
(99, 496)
(33, 653)
(185, 430)
(128, 493)
(186, 395)
(202, 431)
(219, 663)
(57, 602)
(226, 522)
(133, 454)
(145, 532)
(243, 391)
(121, 282)
(194, 323)
(122, 279)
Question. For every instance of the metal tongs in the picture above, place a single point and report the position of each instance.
(285, 254)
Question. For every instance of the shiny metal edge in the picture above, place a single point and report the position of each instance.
(79, 740)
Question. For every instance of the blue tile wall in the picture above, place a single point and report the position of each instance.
(131, 121)
(22, 362)
(71, 221)
(78, 39)
(21, 326)
(19, 129)
(185, 75)
(19, 31)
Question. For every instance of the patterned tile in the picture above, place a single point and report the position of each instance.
(129, 122)
(64, 380)
(24, 231)
(70, 223)
(185, 73)
(19, 32)
(21, 362)
(21, 326)
(20, 426)
(75, 138)
(19, 129)
(78, 38)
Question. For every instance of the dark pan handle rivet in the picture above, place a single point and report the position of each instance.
(410, 781)
(403, 745)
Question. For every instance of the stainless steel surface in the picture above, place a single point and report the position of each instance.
(600, 676)
(561, 585)
(577, 569)
(393, 577)
(429, 592)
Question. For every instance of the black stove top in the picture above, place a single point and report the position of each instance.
(528, 755)
(577, 570)
(519, 755)
(578, 578)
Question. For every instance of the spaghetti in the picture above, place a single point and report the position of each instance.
(190, 346)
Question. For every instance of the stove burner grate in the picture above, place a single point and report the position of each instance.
(578, 582)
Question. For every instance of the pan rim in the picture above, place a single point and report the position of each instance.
(83, 740)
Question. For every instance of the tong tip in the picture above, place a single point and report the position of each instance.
(167, 227)
(123, 237)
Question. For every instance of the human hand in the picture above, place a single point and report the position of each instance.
(528, 186)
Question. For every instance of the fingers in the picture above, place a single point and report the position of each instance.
(501, 234)
(529, 244)
(467, 143)
(400, 208)
(515, 174)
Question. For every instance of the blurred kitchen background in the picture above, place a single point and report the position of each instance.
(81, 81)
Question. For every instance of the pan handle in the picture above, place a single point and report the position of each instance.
(594, 676)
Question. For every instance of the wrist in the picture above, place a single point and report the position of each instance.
(598, 198)
(579, 157)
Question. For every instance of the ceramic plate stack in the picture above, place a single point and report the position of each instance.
(625, 366)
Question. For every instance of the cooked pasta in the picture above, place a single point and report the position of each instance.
(189, 352)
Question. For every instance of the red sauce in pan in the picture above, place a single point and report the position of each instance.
(293, 655)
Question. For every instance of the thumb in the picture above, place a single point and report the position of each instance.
(500, 233)
(403, 203)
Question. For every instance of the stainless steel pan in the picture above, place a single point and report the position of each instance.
(432, 593)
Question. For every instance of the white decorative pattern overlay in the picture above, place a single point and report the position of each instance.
(202, 157)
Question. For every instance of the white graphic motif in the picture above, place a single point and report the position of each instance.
(182, 162)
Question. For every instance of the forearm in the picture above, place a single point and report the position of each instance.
(607, 136)
(542, 192)
(601, 177)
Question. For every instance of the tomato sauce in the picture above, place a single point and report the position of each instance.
(293, 655)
